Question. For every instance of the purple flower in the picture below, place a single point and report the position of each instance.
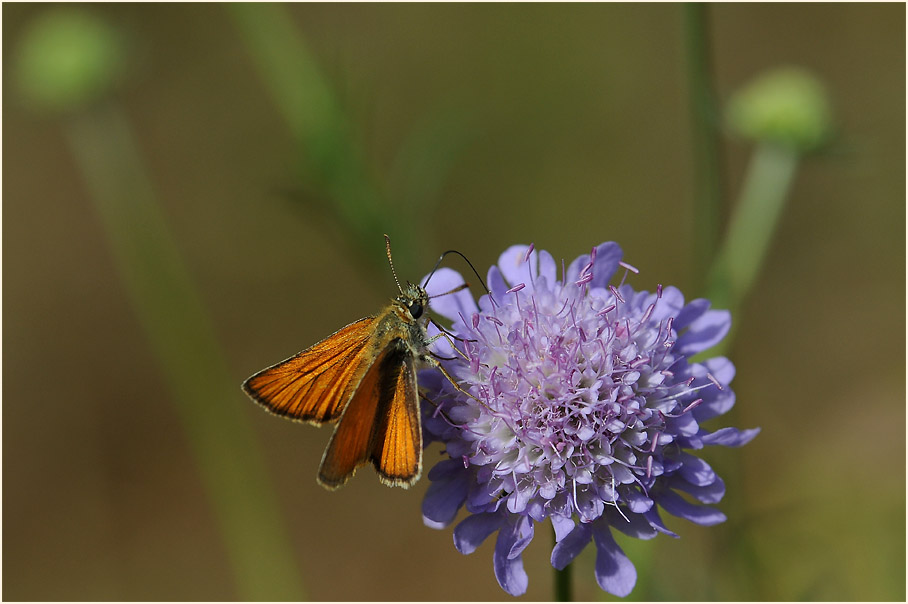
(587, 411)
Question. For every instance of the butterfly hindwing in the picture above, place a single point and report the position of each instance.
(381, 424)
(397, 443)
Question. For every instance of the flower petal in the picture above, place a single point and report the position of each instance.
(443, 498)
(655, 521)
(683, 425)
(711, 493)
(715, 403)
(513, 267)
(705, 332)
(509, 568)
(730, 437)
(669, 305)
(450, 306)
(563, 525)
(633, 525)
(720, 368)
(570, 546)
(547, 268)
(636, 501)
(691, 312)
(497, 286)
(615, 573)
(608, 255)
(676, 505)
(696, 471)
(525, 531)
(473, 530)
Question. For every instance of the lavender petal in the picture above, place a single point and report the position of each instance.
(509, 570)
(473, 530)
(615, 573)
(570, 546)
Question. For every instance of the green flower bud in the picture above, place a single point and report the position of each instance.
(67, 59)
(786, 106)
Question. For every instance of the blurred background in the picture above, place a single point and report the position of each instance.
(209, 197)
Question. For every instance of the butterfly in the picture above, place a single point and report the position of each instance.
(362, 376)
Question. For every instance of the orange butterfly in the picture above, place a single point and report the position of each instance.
(364, 376)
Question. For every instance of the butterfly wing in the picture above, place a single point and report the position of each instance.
(315, 385)
(397, 446)
(381, 424)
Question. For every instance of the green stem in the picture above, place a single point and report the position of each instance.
(704, 134)
(206, 396)
(563, 583)
(769, 177)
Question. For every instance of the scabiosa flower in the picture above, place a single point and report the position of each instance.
(584, 407)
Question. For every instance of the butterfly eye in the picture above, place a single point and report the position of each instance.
(415, 310)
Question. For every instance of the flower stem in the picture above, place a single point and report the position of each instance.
(562, 581)
(753, 223)
(205, 394)
(704, 134)
(563, 584)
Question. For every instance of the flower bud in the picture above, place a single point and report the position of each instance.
(787, 106)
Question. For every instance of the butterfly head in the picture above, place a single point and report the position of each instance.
(414, 300)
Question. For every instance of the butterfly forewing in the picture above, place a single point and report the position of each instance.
(397, 445)
(315, 384)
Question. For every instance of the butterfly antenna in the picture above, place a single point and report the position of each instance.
(475, 272)
(391, 262)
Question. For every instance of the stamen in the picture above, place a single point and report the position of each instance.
(606, 310)
(710, 377)
(655, 444)
(646, 315)
(615, 501)
(629, 267)
(526, 256)
(516, 288)
(692, 406)
(583, 280)
(638, 362)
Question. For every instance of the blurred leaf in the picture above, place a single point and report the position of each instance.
(334, 164)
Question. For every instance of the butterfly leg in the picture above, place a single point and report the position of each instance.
(446, 335)
(428, 360)
(443, 330)
(438, 408)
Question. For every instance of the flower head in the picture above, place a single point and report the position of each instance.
(583, 407)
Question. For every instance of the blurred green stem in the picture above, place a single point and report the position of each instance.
(753, 222)
(336, 172)
(704, 134)
(206, 396)
(563, 592)
(563, 584)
